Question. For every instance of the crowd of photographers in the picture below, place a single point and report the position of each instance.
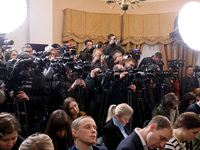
(35, 84)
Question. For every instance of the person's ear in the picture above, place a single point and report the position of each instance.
(117, 116)
(153, 126)
(74, 133)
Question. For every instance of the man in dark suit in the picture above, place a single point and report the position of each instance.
(154, 135)
(85, 134)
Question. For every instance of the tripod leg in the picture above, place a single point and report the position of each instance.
(102, 112)
(82, 101)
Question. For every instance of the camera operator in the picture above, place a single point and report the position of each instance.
(189, 82)
(98, 61)
(119, 88)
(54, 100)
(92, 83)
(129, 63)
(56, 46)
(155, 59)
(112, 45)
(28, 48)
(86, 53)
(27, 84)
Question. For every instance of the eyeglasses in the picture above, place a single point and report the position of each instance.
(29, 51)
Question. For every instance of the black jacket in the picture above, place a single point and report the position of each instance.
(112, 135)
(132, 142)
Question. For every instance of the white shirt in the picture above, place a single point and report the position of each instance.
(141, 139)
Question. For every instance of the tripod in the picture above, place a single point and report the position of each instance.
(103, 110)
(21, 114)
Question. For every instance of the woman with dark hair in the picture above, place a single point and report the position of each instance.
(186, 128)
(167, 107)
(9, 129)
(187, 100)
(71, 107)
(59, 130)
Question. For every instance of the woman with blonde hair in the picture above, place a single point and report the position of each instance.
(115, 131)
(37, 142)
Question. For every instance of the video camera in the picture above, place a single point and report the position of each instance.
(176, 63)
(134, 53)
(67, 50)
(80, 68)
(196, 71)
(108, 76)
(5, 42)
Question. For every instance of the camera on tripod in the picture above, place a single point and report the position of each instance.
(80, 69)
(67, 50)
(176, 63)
(5, 42)
(196, 71)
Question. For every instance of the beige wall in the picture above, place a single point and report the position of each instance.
(100, 6)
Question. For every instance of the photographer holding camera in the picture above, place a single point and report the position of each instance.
(86, 53)
(119, 88)
(98, 61)
(112, 45)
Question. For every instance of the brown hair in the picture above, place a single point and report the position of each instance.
(161, 121)
(168, 100)
(66, 104)
(8, 124)
(158, 55)
(184, 104)
(58, 121)
(190, 120)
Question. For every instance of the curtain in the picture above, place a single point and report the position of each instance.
(134, 30)
(80, 26)
(148, 28)
(176, 50)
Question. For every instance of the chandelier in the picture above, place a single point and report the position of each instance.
(125, 3)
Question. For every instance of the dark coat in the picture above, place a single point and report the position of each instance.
(132, 142)
(112, 135)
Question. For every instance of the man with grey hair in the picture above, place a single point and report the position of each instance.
(85, 134)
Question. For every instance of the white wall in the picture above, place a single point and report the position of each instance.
(41, 21)
(38, 26)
